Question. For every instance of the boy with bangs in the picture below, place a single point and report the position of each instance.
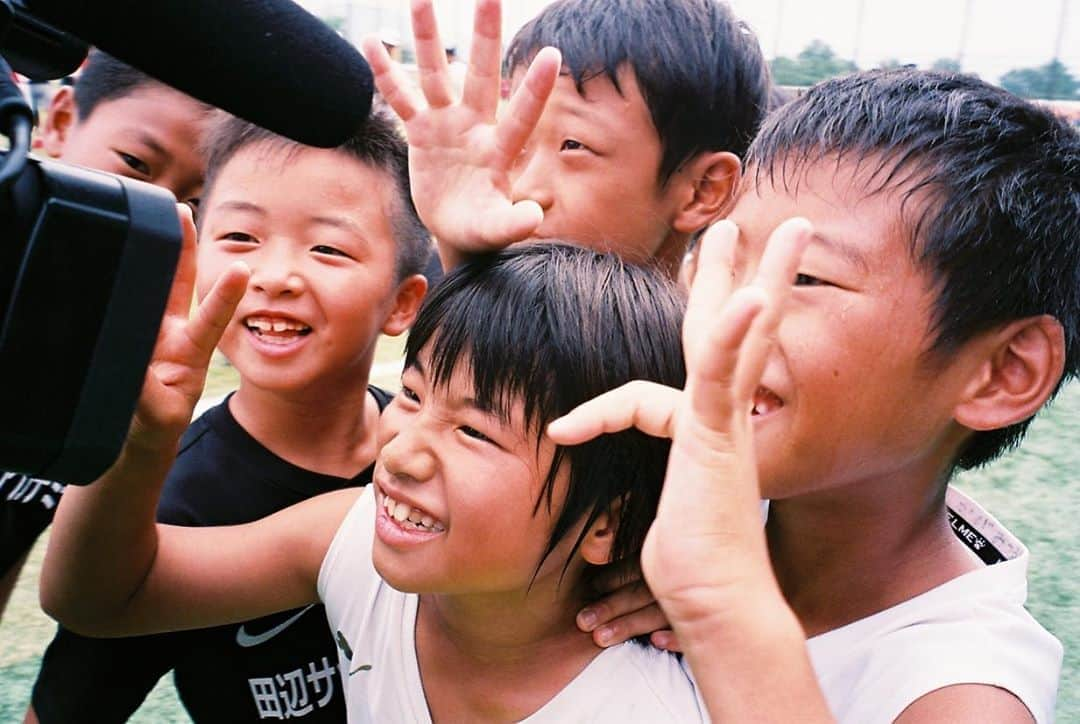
(494, 530)
(334, 248)
(935, 310)
(634, 146)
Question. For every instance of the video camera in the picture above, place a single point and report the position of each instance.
(87, 258)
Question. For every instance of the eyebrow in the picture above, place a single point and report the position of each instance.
(852, 253)
(463, 401)
(242, 206)
(151, 142)
(339, 222)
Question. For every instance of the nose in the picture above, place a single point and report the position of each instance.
(531, 177)
(406, 453)
(275, 270)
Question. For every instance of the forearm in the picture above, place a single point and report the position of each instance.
(104, 541)
(749, 658)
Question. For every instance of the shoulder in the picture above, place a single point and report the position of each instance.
(972, 630)
(347, 561)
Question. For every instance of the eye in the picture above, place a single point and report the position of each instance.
(240, 236)
(805, 280)
(134, 163)
(408, 394)
(329, 251)
(475, 434)
(571, 145)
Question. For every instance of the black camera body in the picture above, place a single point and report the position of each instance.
(86, 262)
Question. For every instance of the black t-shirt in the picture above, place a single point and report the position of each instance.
(282, 666)
(27, 506)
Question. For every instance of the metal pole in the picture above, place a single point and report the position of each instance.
(860, 15)
(964, 34)
(779, 27)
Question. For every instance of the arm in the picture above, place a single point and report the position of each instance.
(460, 156)
(111, 570)
(705, 556)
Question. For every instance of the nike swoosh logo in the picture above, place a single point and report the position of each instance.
(246, 640)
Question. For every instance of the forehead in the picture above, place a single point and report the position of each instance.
(844, 201)
(152, 107)
(618, 111)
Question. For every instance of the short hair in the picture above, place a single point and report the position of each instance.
(104, 78)
(377, 144)
(554, 325)
(700, 69)
(989, 190)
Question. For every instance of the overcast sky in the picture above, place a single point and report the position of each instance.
(1001, 34)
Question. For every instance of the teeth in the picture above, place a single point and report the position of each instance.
(404, 513)
(268, 324)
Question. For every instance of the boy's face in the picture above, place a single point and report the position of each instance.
(592, 164)
(314, 227)
(151, 134)
(464, 485)
(849, 394)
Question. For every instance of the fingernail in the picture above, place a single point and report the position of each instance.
(661, 639)
(604, 635)
(587, 619)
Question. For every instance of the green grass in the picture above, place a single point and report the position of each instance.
(1034, 491)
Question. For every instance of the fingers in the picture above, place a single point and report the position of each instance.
(214, 312)
(394, 86)
(510, 224)
(622, 616)
(711, 284)
(647, 406)
(179, 301)
(431, 65)
(485, 59)
(775, 274)
(666, 640)
(526, 106)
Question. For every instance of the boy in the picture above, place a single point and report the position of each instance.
(495, 531)
(334, 247)
(935, 310)
(634, 147)
(118, 120)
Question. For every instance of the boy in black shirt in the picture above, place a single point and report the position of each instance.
(335, 249)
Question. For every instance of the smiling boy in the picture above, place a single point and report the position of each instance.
(634, 146)
(334, 248)
(934, 311)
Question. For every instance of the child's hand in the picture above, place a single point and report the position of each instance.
(184, 345)
(627, 610)
(459, 155)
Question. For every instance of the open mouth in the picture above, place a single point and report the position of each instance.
(276, 330)
(765, 402)
(409, 517)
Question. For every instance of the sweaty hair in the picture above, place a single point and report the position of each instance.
(377, 144)
(700, 70)
(989, 194)
(104, 78)
(554, 325)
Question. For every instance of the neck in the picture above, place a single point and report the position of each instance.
(519, 648)
(669, 255)
(848, 553)
(329, 431)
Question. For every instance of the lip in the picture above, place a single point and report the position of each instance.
(276, 349)
(390, 531)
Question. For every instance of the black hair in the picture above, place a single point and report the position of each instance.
(700, 70)
(377, 144)
(104, 78)
(990, 196)
(555, 325)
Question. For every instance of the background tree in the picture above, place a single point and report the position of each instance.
(817, 61)
(946, 65)
(1049, 82)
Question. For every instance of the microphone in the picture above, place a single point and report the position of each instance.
(267, 61)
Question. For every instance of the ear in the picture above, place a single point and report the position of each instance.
(61, 118)
(1024, 362)
(596, 546)
(407, 298)
(708, 185)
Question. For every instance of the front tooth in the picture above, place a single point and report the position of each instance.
(279, 326)
(401, 512)
(427, 521)
(414, 516)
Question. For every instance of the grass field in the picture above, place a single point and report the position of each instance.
(1035, 492)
